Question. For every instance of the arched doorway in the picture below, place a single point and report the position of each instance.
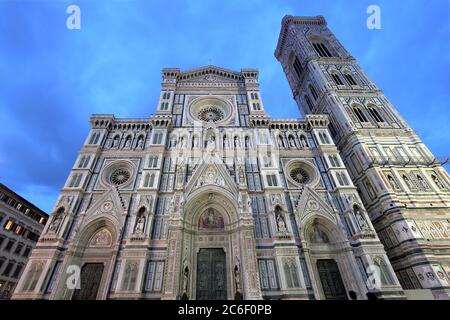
(93, 254)
(214, 235)
(327, 254)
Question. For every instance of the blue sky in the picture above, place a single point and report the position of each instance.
(52, 79)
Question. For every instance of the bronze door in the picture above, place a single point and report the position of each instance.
(211, 275)
(91, 275)
(331, 280)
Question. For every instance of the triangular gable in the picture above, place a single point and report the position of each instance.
(211, 173)
(109, 205)
(210, 74)
(311, 204)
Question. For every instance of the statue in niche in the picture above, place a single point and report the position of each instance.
(249, 203)
(361, 221)
(183, 143)
(237, 277)
(281, 224)
(240, 202)
(237, 142)
(173, 142)
(115, 142)
(211, 144)
(185, 278)
(292, 142)
(180, 175)
(140, 142)
(56, 221)
(241, 175)
(211, 219)
(128, 143)
(140, 225)
(226, 142)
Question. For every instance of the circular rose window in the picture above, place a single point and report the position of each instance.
(211, 109)
(120, 176)
(299, 175)
(210, 113)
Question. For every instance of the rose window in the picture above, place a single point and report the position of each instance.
(211, 113)
(299, 175)
(120, 176)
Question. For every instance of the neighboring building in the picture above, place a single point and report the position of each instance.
(21, 224)
(211, 198)
(404, 188)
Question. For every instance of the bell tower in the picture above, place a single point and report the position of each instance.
(404, 188)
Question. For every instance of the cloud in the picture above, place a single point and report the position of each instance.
(52, 79)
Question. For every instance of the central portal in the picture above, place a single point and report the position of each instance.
(211, 275)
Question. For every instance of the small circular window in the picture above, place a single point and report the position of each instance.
(120, 176)
(210, 113)
(299, 175)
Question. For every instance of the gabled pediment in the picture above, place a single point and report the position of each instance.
(210, 74)
(211, 173)
(311, 204)
(109, 205)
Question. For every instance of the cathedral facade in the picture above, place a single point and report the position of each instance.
(211, 198)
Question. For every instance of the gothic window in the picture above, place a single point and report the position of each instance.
(253, 178)
(375, 114)
(153, 161)
(75, 181)
(256, 106)
(260, 217)
(84, 160)
(309, 103)
(359, 114)
(94, 138)
(129, 277)
(337, 79)
(120, 176)
(164, 106)
(32, 277)
(334, 160)
(342, 179)
(324, 138)
(146, 180)
(290, 271)
(322, 50)
(313, 92)
(298, 67)
(272, 180)
(153, 279)
(51, 283)
(151, 181)
(80, 163)
(350, 79)
(158, 137)
(267, 274)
